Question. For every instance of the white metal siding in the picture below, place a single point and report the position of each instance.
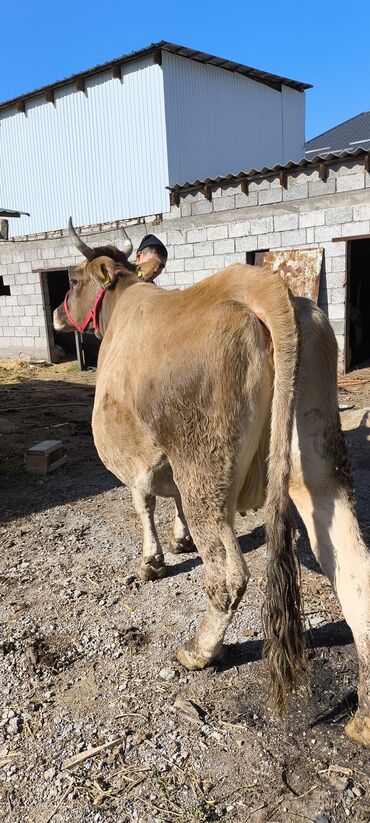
(294, 112)
(219, 122)
(99, 155)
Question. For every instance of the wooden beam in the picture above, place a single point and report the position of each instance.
(207, 191)
(116, 72)
(21, 106)
(350, 237)
(367, 163)
(157, 57)
(323, 171)
(49, 96)
(175, 198)
(244, 185)
(80, 84)
(283, 179)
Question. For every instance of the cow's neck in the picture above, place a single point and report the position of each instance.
(110, 300)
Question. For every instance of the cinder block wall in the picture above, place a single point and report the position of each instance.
(203, 236)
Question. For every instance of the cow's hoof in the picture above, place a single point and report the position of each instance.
(181, 545)
(154, 570)
(358, 729)
(194, 661)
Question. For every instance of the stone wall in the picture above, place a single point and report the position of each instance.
(202, 236)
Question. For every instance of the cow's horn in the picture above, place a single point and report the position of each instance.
(127, 245)
(79, 243)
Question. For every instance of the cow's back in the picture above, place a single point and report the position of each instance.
(182, 377)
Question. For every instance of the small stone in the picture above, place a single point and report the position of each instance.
(50, 773)
(129, 580)
(358, 791)
(167, 674)
(12, 727)
(338, 781)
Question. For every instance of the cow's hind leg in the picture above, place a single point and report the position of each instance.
(152, 564)
(337, 544)
(226, 580)
(321, 488)
(324, 500)
(181, 540)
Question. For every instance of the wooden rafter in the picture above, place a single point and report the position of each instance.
(175, 198)
(283, 179)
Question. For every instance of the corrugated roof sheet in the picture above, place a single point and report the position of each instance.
(273, 80)
(345, 137)
(11, 213)
(305, 161)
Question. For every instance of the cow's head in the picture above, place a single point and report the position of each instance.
(89, 281)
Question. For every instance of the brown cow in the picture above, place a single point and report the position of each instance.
(197, 394)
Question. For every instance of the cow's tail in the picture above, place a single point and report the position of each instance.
(284, 646)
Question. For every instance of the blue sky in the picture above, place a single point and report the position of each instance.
(322, 43)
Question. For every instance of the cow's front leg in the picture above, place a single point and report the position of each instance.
(181, 540)
(152, 565)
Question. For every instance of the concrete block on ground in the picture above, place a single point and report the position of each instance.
(45, 457)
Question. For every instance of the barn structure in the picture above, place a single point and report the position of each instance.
(105, 144)
(213, 162)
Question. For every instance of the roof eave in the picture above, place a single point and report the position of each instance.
(11, 213)
(291, 165)
(172, 48)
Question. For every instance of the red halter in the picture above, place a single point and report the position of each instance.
(90, 316)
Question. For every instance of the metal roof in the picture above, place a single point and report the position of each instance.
(266, 170)
(273, 80)
(10, 213)
(346, 136)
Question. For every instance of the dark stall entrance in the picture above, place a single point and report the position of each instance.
(358, 303)
(65, 345)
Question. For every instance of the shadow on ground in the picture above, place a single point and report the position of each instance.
(37, 410)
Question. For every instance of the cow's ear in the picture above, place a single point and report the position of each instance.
(104, 271)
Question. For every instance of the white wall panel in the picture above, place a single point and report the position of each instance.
(220, 122)
(294, 113)
(99, 155)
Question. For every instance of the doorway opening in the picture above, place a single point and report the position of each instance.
(61, 345)
(64, 346)
(358, 304)
(256, 258)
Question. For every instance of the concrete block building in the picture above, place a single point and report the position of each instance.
(313, 204)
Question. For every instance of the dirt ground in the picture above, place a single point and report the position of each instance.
(88, 651)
